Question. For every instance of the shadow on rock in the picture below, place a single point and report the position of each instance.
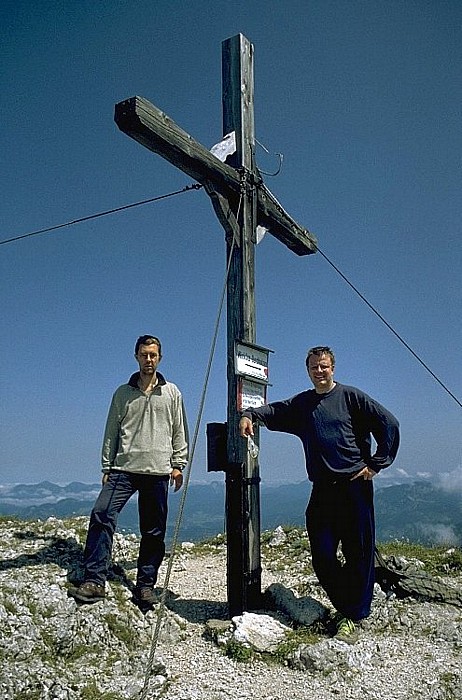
(196, 610)
(66, 553)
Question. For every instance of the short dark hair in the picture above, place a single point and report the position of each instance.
(320, 350)
(148, 340)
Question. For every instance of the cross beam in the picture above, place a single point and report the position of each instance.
(145, 123)
(241, 202)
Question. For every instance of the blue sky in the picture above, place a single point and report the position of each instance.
(362, 98)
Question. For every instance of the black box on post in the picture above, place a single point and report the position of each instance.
(217, 456)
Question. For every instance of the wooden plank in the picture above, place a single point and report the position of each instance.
(238, 114)
(151, 127)
(242, 498)
(145, 123)
(225, 213)
(282, 226)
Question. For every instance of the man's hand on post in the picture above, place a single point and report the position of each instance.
(245, 427)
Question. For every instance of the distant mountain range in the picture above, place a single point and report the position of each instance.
(418, 512)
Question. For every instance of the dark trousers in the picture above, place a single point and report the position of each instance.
(152, 510)
(343, 512)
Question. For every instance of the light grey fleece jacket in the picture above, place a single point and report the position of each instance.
(146, 434)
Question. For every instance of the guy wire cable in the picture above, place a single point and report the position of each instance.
(194, 186)
(390, 327)
(197, 186)
(161, 609)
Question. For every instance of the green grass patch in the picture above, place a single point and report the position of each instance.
(294, 639)
(238, 651)
(121, 630)
(92, 692)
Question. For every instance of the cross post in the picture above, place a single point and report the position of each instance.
(241, 202)
(242, 471)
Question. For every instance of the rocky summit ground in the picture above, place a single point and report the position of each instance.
(53, 649)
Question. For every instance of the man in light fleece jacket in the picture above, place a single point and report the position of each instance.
(145, 448)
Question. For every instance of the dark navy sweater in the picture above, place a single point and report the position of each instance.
(335, 429)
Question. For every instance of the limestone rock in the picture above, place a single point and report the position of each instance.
(278, 538)
(261, 632)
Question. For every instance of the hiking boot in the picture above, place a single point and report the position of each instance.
(88, 592)
(144, 596)
(346, 630)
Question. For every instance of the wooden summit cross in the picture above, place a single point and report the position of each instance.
(241, 202)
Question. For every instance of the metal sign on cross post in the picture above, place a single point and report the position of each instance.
(242, 202)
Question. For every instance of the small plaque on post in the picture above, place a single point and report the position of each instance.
(251, 361)
(250, 394)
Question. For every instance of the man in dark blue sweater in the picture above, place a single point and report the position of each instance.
(336, 424)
